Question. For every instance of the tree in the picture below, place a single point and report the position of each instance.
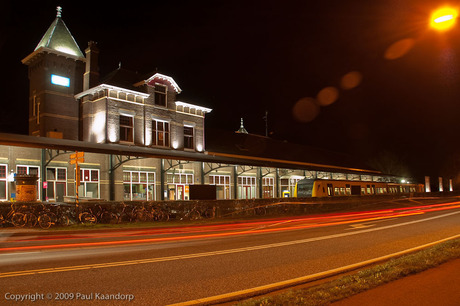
(389, 163)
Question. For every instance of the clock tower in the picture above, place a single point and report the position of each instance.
(56, 69)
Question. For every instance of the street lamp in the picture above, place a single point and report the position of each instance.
(443, 19)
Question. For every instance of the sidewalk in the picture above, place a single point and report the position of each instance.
(436, 286)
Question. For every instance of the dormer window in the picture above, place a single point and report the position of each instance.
(160, 95)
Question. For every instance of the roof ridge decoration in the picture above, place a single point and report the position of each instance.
(242, 130)
(161, 78)
(59, 38)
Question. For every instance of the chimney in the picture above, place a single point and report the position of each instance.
(91, 77)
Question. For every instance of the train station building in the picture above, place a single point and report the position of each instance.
(140, 140)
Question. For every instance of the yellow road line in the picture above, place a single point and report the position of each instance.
(206, 254)
(247, 293)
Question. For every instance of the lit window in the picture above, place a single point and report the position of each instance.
(30, 170)
(60, 80)
(160, 95)
(57, 183)
(188, 137)
(89, 183)
(138, 185)
(3, 182)
(160, 133)
(126, 128)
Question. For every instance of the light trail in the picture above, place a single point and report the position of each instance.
(212, 253)
(247, 228)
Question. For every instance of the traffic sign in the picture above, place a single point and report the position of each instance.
(74, 161)
(77, 157)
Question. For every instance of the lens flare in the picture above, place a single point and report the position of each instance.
(327, 96)
(351, 80)
(443, 18)
(305, 110)
(399, 48)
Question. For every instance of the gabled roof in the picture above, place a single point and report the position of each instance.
(59, 38)
(164, 79)
(122, 77)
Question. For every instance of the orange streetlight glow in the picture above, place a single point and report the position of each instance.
(443, 19)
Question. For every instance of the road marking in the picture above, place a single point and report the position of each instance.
(207, 254)
(360, 226)
(247, 293)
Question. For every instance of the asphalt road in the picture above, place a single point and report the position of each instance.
(171, 265)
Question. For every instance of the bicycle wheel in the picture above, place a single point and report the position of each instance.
(18, 219)
(124, 218)
(108, 218)
(87, 218)
(260, 210)
(44, 221)
(194, 215)
(63, 220)
(160, 215)
(208, 213)
(141, 215)
(164, 216)
(30, 219)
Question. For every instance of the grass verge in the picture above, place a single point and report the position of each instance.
(366, 279)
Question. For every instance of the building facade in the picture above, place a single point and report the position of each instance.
(67, 99)
(140, 141)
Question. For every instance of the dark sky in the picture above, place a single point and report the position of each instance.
(242, 58)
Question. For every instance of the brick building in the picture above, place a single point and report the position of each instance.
(140, 141)
(68, 100)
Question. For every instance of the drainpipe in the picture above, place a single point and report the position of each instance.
(43, 176)
(277, 182)
(259, 174)
(235, 183)
(162, 179)
(111, 179)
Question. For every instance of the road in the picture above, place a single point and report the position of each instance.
(162, 266)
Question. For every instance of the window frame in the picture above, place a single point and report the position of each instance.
(165, 132)
(189, 140)
(84, 182)
(39, 194)
(5, 180)
(57, 180)
(160, 93)
(129, 128)
(147, 184)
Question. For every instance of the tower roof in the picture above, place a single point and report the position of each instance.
(242, 130)
(58, 38)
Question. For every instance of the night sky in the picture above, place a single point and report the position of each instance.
(242, 58)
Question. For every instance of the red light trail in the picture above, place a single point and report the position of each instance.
(228, 230)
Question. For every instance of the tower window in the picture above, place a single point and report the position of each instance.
(60, 80)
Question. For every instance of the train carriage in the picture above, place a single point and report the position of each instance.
(327, 188)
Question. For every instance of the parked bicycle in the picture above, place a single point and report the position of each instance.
(13, 217)
(54, 214)
(106, 216)
(159, 213)
(85, 215)
(30, 215)
(141, 213)
(124, 213)
(198, 212)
